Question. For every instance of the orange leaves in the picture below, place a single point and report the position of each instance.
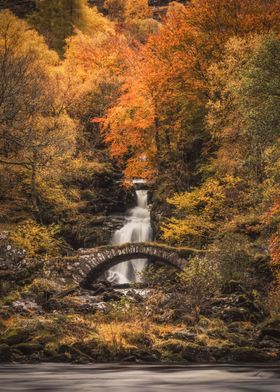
(139, 167)
(165, 85)
(274, 210)
(129, 127)
(274, 248)
(98, 120)
(128, 123)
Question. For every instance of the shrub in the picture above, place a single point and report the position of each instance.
(37, 239)
(234, 253)
(201, 279)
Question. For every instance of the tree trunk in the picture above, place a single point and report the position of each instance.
(34, 197)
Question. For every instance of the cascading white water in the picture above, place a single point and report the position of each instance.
(136, 229)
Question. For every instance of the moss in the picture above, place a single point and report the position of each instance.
(74, 352)
(237, 339)
(15, 336)
(174, 346)
(138, 338)
(11, 297)
(271, 329)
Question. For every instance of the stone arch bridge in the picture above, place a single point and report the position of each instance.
(92, 263)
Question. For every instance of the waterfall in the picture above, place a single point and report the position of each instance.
(137, 228)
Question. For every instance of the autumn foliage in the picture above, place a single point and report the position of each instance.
(189, 103)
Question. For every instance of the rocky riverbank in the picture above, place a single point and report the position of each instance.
(49, 318)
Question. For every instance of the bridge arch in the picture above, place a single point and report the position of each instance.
(94, 262)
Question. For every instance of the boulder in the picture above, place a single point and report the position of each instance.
(195, 353)
(248, 354)
(232, 313)
(184, 335)
(28, 348)
(15, 336)
(228, 354)
(26, 306)
(271, 330)
(5, 352)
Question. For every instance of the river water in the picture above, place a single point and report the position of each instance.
(137, 228)
(138, 378)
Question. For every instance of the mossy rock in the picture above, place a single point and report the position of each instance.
(15, 336)
(174, 346)
(137, 338)
(270, 329)
(186, 336)
(239, 354)
(44, 338)
(175, 350)
(28, 348)
(241, 327)
(95, 349)
(233, 313)
(5, 353)
(195, 353)
(74, 353)
(137, 355)
(238, 339)
(217, 333)
(221, 353)
(248, 354)
(51, 354)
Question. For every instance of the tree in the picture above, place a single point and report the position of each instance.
(204, 211)
(58, 19)
(242, 116)
(245, 128)
(172, 72)
(37, 134)
(138, 9)
(126, 10)
(116, 9)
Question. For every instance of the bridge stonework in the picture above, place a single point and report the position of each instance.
(94, 262)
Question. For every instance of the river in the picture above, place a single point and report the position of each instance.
(138, 378)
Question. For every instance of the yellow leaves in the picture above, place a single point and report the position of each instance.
(37, 240)
(17, 38)
(127, 10)
(95, 22)
(181, 230)
(201, 211)
(137, 9)
(212, 190)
